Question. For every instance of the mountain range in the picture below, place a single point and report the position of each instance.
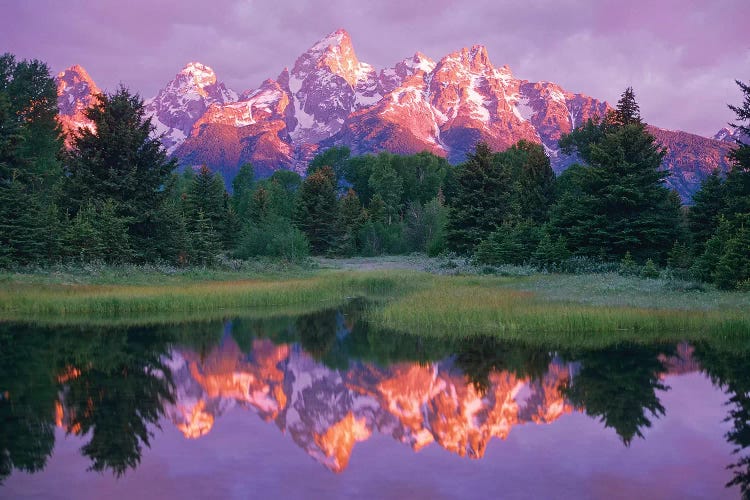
(331, 98)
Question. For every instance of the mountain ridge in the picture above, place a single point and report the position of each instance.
(331, 98)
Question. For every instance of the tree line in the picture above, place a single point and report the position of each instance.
(116, 196)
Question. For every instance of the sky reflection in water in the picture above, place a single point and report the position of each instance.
(319, 406)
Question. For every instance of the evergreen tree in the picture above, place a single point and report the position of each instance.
(628, 112)
(481, 200)
(708, 204)
(550, 252)
(733, 267)
(316, 213)
(436, 221)
(206, 195)
(680, 256)
(30, 144)
(385, 182)
(510, 244)
(738, 178)
(535, 181)
(618, 202)
(351, 219)
(121, 159)
(704, 266)
(205, 244)
(335, 157)
(242, 191)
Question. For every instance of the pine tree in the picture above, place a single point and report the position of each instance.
(628, 112)
(534, 192)
(481, 200)
(121, 159)
(204, 241)
(351, 219)
(680, 256)
(385, 181)
(733, 267)
(618, 202)
(708, 204)
(649, 270)
(30, 144)
(738, 178)
(206, 195)
(242, 191)
(550, 252)
(316, 213)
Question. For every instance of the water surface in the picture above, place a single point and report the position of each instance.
(321, 406)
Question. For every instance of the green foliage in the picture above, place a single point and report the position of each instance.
(481, 201)
(272, 237)
(510, 244)
(533, 190)
(316, 213)
(649, 270)
(335, 157)
(628, 266)
(121, 159)
(733, 267)
(386, 183)
(351, 219)
(492, 189)
(99, 233)
(205, 196)
(618, 202)
(242, 191)
(205, 244)
(680, 256)
(424, 227)
(550, 253)
(30, 145)
(627, 111)
(708, 205)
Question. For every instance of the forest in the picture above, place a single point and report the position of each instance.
(115, 196)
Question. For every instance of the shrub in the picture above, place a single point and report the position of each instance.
(649, 270)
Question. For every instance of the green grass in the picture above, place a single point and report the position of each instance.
(552, 310)
(593, 309)
(26, 301)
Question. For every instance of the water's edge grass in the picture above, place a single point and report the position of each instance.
(595, 309)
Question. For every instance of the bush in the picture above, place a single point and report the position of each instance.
(509, 244)
(628, 267)
(273, 238)
(649, 270)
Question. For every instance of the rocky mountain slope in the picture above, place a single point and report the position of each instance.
(329, 97)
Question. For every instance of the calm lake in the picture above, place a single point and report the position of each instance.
(319, 406)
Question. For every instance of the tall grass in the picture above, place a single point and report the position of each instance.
(29, 301)
(461, 307)
(596, 309)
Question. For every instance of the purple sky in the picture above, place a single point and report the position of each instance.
(681, 56)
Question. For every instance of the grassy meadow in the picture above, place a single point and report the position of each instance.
(589, 309)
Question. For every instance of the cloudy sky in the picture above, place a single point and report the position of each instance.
(681, 56)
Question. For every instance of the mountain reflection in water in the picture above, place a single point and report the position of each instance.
(327, 381)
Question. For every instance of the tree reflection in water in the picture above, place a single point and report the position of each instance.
(112, 385)
(730, 370)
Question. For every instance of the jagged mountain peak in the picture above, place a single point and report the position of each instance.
(333, 39)
(184, 99)
(75, 71)
(198, 74)
(335, 54)
(75, 92)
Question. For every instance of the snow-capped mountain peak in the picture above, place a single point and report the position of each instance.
(186, 98)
